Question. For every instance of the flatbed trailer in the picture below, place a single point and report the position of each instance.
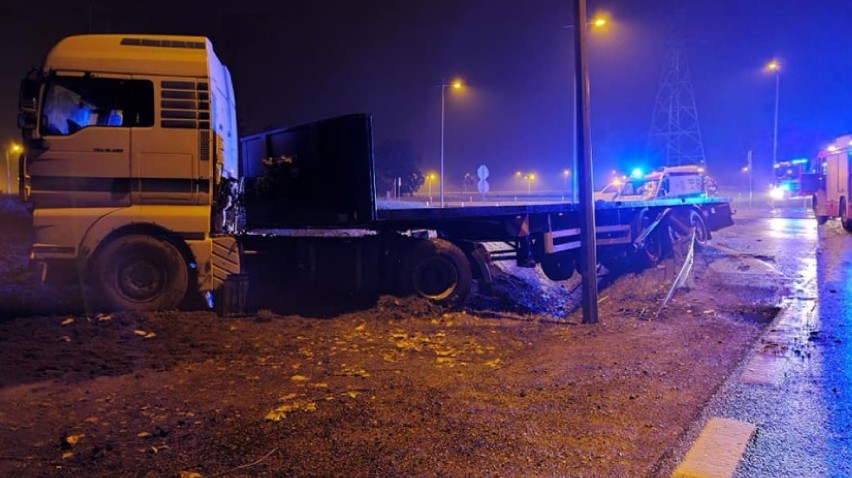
(432, 252)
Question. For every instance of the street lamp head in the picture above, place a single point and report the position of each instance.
(456, 84)
(773, 65)
(598, 22)
(16, 148)
(518, 173)
(566, 172)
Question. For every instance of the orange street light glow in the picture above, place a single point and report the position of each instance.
(773, 65)
(457, 84)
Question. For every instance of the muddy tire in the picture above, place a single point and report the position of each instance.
(696, 220)
(436, 270)
(139, 272)
(558, 267)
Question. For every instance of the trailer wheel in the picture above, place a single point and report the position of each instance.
(436, 270)
(140, 272)
(819, 218)
(653, 251)
(558, 266)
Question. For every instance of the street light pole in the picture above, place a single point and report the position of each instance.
(456, 84)
(598, 22)
(775, 127)
(441, 179)
(588, 251)
(8, 174)
(775, 66)
(15, 149)
(750, 175)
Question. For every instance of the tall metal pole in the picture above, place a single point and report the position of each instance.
(574, 158)
(775, 128)
(8, 173)
(750, 176)
(588, 249)
(441, 179)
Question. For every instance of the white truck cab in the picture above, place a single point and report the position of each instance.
(126, 138)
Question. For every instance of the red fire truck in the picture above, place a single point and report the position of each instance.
(830, 185)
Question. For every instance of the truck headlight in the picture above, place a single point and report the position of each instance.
(777, 193)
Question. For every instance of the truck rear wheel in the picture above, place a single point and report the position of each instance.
(844, 221)
(436, 270)
(559, 266)
(140, 272)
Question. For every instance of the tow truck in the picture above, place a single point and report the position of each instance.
(140, 186)
(673, 181)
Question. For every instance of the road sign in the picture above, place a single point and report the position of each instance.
(482, 172)
(482, 185)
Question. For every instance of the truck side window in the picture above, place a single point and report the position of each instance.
(73, 103)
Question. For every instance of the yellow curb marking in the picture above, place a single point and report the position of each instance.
(718, 449)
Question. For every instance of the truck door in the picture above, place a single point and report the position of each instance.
(165, 158)
(834, 189)
(85, 125)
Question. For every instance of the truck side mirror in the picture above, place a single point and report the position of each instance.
(27, 121)
(28, 95)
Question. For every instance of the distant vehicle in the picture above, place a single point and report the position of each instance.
(788, 179)
(673, 181)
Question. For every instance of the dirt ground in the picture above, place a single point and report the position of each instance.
(511, 385)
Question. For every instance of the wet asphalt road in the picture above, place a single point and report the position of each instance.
(804, 419)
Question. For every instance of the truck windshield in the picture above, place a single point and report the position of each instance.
(73, 103)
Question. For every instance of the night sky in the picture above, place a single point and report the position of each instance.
(298, 61)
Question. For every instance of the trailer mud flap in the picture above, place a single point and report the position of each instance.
(230, 284)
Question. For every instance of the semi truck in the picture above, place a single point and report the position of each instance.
(140, 186)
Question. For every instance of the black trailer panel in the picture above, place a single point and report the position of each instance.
(313, 175)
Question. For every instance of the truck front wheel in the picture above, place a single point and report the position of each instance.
(140, 272)
(436, 270)
(821, 219)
